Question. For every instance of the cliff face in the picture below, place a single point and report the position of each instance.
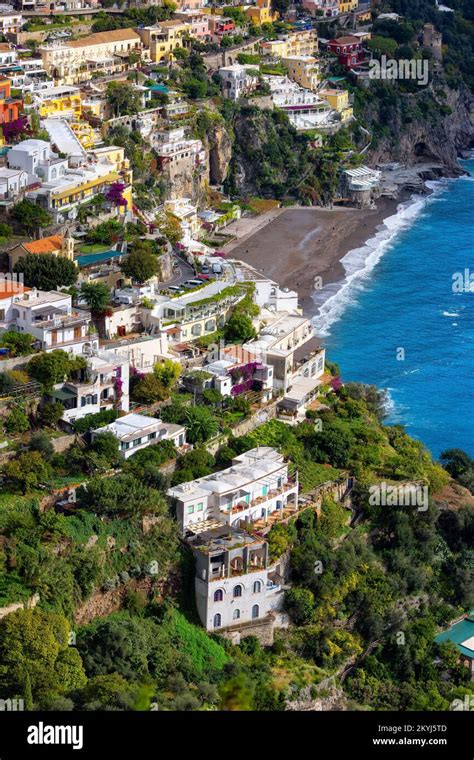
(269, 159)
(219, 149)
(436, 138)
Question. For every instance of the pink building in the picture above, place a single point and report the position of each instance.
(191, 5)
(199, 23)
(329, 8)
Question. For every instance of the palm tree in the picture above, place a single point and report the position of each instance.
(200, 424)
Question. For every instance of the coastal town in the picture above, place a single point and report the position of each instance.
(185, 474)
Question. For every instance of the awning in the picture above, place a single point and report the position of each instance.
(63, 394)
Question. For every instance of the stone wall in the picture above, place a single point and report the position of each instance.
(103, 603)
(259, 418)
(21, 37)
(228, 56)
(262, 629)
(14, 606)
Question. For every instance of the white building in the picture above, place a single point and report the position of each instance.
(12, 183)
(136, 432)
(37, 159)
(234, 584)
(104, 384)
(231, 376)
(11, 22)
(253, 488)
(8, 54)
(238, 80)
(50, 318)
(304, 108)
(142, 351)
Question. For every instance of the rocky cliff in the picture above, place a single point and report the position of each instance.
(218, 144)
(433, 129)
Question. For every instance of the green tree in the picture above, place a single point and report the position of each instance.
(167, 372)
(51, 413)
(41, 442)
(121, 494)
(239, 328)
(53, 367)
(35, 648)
(27, 471)
(122, 98)
(97, 296)
(106, 446)
(29, 216)
(19, 344)
(149, 389)
(299, 603)
(16, 421)
(47, 272)
(141, 264)
(200, 424)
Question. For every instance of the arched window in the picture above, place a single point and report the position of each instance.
(217, 620)
(257, 587)
(237, 591)
(255, 611)
(236, 614)
(218, 595)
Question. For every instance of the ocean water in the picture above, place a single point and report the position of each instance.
(398, 323)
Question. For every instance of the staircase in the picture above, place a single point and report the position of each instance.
(62, 136)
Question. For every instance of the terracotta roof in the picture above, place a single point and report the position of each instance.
(45, 245)
(5, 47)
(239, 353)
(9, 289)
(345, 40)
(100, 38)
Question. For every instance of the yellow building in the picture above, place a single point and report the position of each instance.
(84, 133)
(339, 100)
(164, 39)
(347, 6)
(294, 44)
(261, 13)
(104, 52)
(304, 70)
(58, 101)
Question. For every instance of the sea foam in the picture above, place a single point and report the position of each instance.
(360, 262)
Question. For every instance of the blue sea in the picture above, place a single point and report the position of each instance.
(397, 323)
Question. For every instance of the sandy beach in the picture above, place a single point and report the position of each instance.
(295, 245)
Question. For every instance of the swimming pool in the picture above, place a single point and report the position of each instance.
(86, 259)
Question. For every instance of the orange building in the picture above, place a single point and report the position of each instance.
(9, 107)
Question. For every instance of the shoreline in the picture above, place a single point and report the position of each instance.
(312, 242)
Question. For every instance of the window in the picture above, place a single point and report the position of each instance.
(199, 507)
(237, 591)
(255, 611)
(217, 620)
(236, 614)
(218, 595)
(191, 510)
(264, 490)
(257, 587)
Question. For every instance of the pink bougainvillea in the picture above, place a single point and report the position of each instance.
(336, 383)
(115, 194)
(14, 129)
